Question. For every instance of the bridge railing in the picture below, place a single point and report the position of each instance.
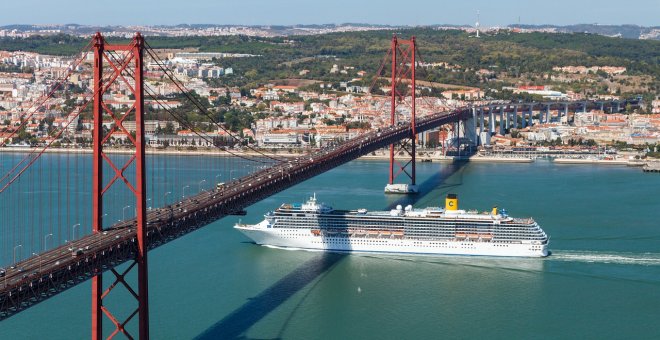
(51, 272)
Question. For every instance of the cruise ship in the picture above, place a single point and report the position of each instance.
(450, 231)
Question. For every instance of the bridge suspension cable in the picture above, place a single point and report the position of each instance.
(13, 174)
(36, 153)
(183, 121)
(32, 109)
(199, 106)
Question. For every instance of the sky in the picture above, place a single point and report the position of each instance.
(291, 12)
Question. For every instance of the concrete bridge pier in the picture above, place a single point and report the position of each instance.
(481, 122)
(502, 128)
(515, 116)
(470, 129)
(491, 120)
(530, 116)
(565, 112)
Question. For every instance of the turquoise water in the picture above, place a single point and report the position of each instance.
(601, 281)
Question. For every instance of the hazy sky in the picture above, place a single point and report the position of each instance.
(287, 12)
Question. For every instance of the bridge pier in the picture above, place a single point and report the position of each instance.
(470, 128)
(565, 112)
(559, 113)
(530, 122)
(515, 116)
(514, 119)
(491, 120)
(547, 114)
(502, 120)
(542, 115)
(481, 125)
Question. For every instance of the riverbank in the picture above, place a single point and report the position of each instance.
(433, 156)
(651, 167)
(490, 159)
(430, 156)
(598, 161)
(426, 156)
(151, 151)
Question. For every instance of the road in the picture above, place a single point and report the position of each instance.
(40, 277)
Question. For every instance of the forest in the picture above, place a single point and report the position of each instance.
(284, 57)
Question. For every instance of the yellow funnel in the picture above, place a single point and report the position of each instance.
(494, 210)
(451, 202)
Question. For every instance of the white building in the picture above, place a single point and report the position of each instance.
(280, 138)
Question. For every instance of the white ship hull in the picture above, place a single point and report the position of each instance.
(306, 239)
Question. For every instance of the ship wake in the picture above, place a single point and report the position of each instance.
(641, 259)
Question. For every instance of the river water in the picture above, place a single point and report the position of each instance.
(602, 279)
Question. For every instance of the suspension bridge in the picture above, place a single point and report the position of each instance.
(70, 229)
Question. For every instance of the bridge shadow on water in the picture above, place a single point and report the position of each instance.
(234, 325)
(238, 322)
(437, 181)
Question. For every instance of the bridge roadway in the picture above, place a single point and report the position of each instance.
(49, 273)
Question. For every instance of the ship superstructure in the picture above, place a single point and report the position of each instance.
(448, 230)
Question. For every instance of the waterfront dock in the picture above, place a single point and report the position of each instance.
(651, 167)
(499, 159)
(591, 161)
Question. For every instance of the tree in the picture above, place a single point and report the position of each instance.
(169, 128)
(251, 74)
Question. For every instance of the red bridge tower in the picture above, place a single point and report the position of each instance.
(403, 54)
(124, 66)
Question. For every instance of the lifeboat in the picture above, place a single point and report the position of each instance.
(316, 232)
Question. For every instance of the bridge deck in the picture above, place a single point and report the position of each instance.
(40, 277)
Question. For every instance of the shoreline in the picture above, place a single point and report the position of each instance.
(151, 151)
(376, 157)
(598, 161)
